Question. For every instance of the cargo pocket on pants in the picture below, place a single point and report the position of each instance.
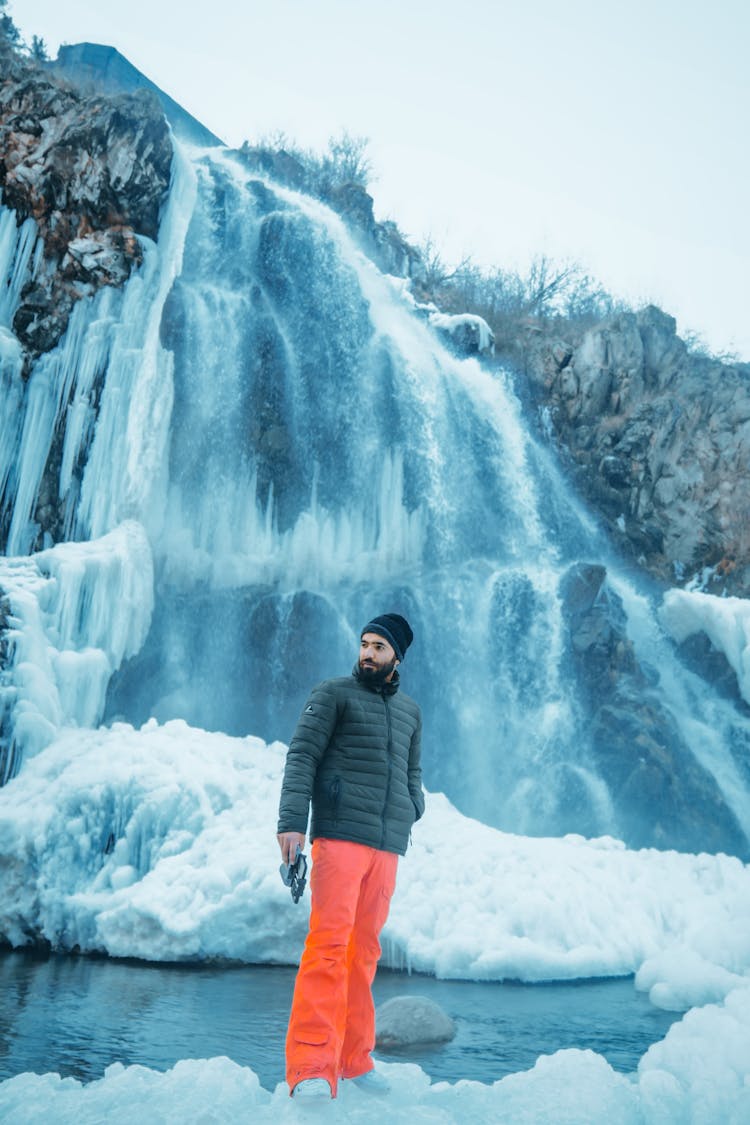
(311, 1038)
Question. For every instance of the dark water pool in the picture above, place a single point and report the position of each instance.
(77, 1015)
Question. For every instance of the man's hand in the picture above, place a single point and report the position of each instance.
(289, 842)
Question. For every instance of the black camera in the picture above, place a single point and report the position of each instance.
(294, 875)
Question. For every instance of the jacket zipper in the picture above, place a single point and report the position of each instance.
(390, 766)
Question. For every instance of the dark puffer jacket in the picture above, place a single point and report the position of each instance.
(356, 754)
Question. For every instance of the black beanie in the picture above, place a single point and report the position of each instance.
(396, 630)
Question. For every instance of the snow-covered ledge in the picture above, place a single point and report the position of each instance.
(468, 333)
(725, 621)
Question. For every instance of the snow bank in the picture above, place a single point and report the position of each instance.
(160, 844)
(481, 904)
(700, 1073)
(156, 844)
(680, 978)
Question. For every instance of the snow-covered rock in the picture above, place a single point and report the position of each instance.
(466, 333)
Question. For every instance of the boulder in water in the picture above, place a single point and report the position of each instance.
(408, 1020)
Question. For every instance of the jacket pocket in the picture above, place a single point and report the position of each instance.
(334, 796)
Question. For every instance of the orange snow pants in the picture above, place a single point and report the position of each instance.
(332, 1022)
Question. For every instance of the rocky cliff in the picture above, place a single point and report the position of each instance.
(656, 437)
(99, 69)
(655, 784)
(92, 172)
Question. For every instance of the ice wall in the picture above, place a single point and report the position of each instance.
(74, 613)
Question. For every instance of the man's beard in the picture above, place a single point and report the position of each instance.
(377, 676)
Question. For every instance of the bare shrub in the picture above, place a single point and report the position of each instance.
(344, 162)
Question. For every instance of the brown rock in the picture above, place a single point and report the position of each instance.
(93, 173)
(659, 437)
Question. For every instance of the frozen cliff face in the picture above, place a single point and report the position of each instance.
(91, 174)
(84, 181)
(659, 440)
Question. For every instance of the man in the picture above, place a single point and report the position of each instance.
(356, 755)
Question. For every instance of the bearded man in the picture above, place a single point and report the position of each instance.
(355, 755)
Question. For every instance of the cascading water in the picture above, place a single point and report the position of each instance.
(301, 453)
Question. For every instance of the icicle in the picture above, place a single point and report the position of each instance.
(77, 611)
(65, 373)
(11, 392)
(16, 247)
(125, 475)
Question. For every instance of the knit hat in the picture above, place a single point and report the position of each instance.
(394, 628)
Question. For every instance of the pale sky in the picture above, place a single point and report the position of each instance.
(615, 134)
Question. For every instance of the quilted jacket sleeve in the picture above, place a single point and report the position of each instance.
(309, 742)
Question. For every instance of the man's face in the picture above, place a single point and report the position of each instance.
(377, 660)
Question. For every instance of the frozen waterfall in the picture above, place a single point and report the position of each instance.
(268, 437)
